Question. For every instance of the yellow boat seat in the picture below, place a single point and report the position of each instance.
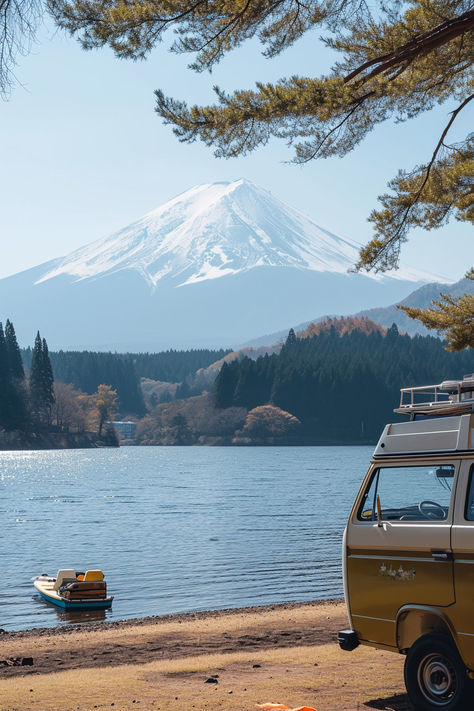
(93, 576)
(64, 576)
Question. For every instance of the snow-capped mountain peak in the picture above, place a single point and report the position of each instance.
(214, 230)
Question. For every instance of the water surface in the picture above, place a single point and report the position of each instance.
(176, 529)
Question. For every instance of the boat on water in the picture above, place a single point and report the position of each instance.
(73, 590)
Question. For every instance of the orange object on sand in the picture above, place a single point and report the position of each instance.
(282, 707)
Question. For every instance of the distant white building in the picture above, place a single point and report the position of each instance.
(125, 429)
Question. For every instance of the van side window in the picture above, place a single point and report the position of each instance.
(470, 497)
(418, 493)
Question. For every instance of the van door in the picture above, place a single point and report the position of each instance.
(463, 551)
(405, 557)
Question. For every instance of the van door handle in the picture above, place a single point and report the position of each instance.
(442, 555)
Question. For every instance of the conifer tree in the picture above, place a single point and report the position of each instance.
(291, 338)
(41, 383)
(19, 405)
(392, 332)
(47, 382)
(14, 356)
(225, 384)
(5, 390)
(36, 389)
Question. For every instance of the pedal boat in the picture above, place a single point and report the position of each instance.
(73, 590)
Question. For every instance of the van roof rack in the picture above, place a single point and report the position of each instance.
(451, 397)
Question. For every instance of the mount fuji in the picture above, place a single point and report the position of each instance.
(214, 266)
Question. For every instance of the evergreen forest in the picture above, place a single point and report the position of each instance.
(342, 388)
(175, 366)
(37, 412)
(24, 404)
(86, 370)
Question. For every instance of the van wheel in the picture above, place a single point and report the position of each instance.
(435, 675)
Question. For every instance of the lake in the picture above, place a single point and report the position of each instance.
(175, 529)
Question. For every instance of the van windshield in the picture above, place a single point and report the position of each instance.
(414, 493)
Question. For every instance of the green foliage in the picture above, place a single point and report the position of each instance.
(47, 378)
(41, 383)
(341, 387)
(291, 338)
(453, 316)
(86, 370)
(15, 362)
(175, 366)
(36, 389)
(5, 383)
(13, 398)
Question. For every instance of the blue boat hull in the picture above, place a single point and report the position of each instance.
(77, 604)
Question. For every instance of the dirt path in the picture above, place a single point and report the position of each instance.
(285, 653)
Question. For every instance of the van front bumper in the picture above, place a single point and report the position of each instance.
(348, 640)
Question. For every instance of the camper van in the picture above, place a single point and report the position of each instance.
(408, 550)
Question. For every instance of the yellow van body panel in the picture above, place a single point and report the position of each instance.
(396, 588)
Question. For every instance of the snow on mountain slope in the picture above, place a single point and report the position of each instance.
(215, 230)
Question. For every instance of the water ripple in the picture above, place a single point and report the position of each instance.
(176, 528)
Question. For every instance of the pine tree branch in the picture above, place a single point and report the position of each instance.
(328, 135)
(227, 28)
(398, 232)
(420, 45)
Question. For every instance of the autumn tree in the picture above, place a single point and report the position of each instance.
(106, 403)
(268, 422)
(72, 408)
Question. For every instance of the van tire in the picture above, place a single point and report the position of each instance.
(435, 675)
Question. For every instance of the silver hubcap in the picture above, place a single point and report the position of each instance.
(437, 679)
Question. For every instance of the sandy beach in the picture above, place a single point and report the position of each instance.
(229, 660)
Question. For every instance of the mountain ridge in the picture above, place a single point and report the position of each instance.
(213, 267)
(385, 316)
(214, 230)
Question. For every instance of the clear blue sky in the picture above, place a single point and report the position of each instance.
(83, 152)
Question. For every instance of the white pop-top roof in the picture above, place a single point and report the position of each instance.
(442, 420)
(439, 434)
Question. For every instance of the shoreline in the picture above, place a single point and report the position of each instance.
(19, 441)
(180, 617)
(229, 660)
(62, 444)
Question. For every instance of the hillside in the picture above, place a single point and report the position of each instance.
(420, 298)
(336, 385)
(383, 315)
(342, 386)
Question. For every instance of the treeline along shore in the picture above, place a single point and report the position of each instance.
(38, 413)
(334, 383)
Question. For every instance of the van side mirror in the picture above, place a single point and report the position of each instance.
(445, 472)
